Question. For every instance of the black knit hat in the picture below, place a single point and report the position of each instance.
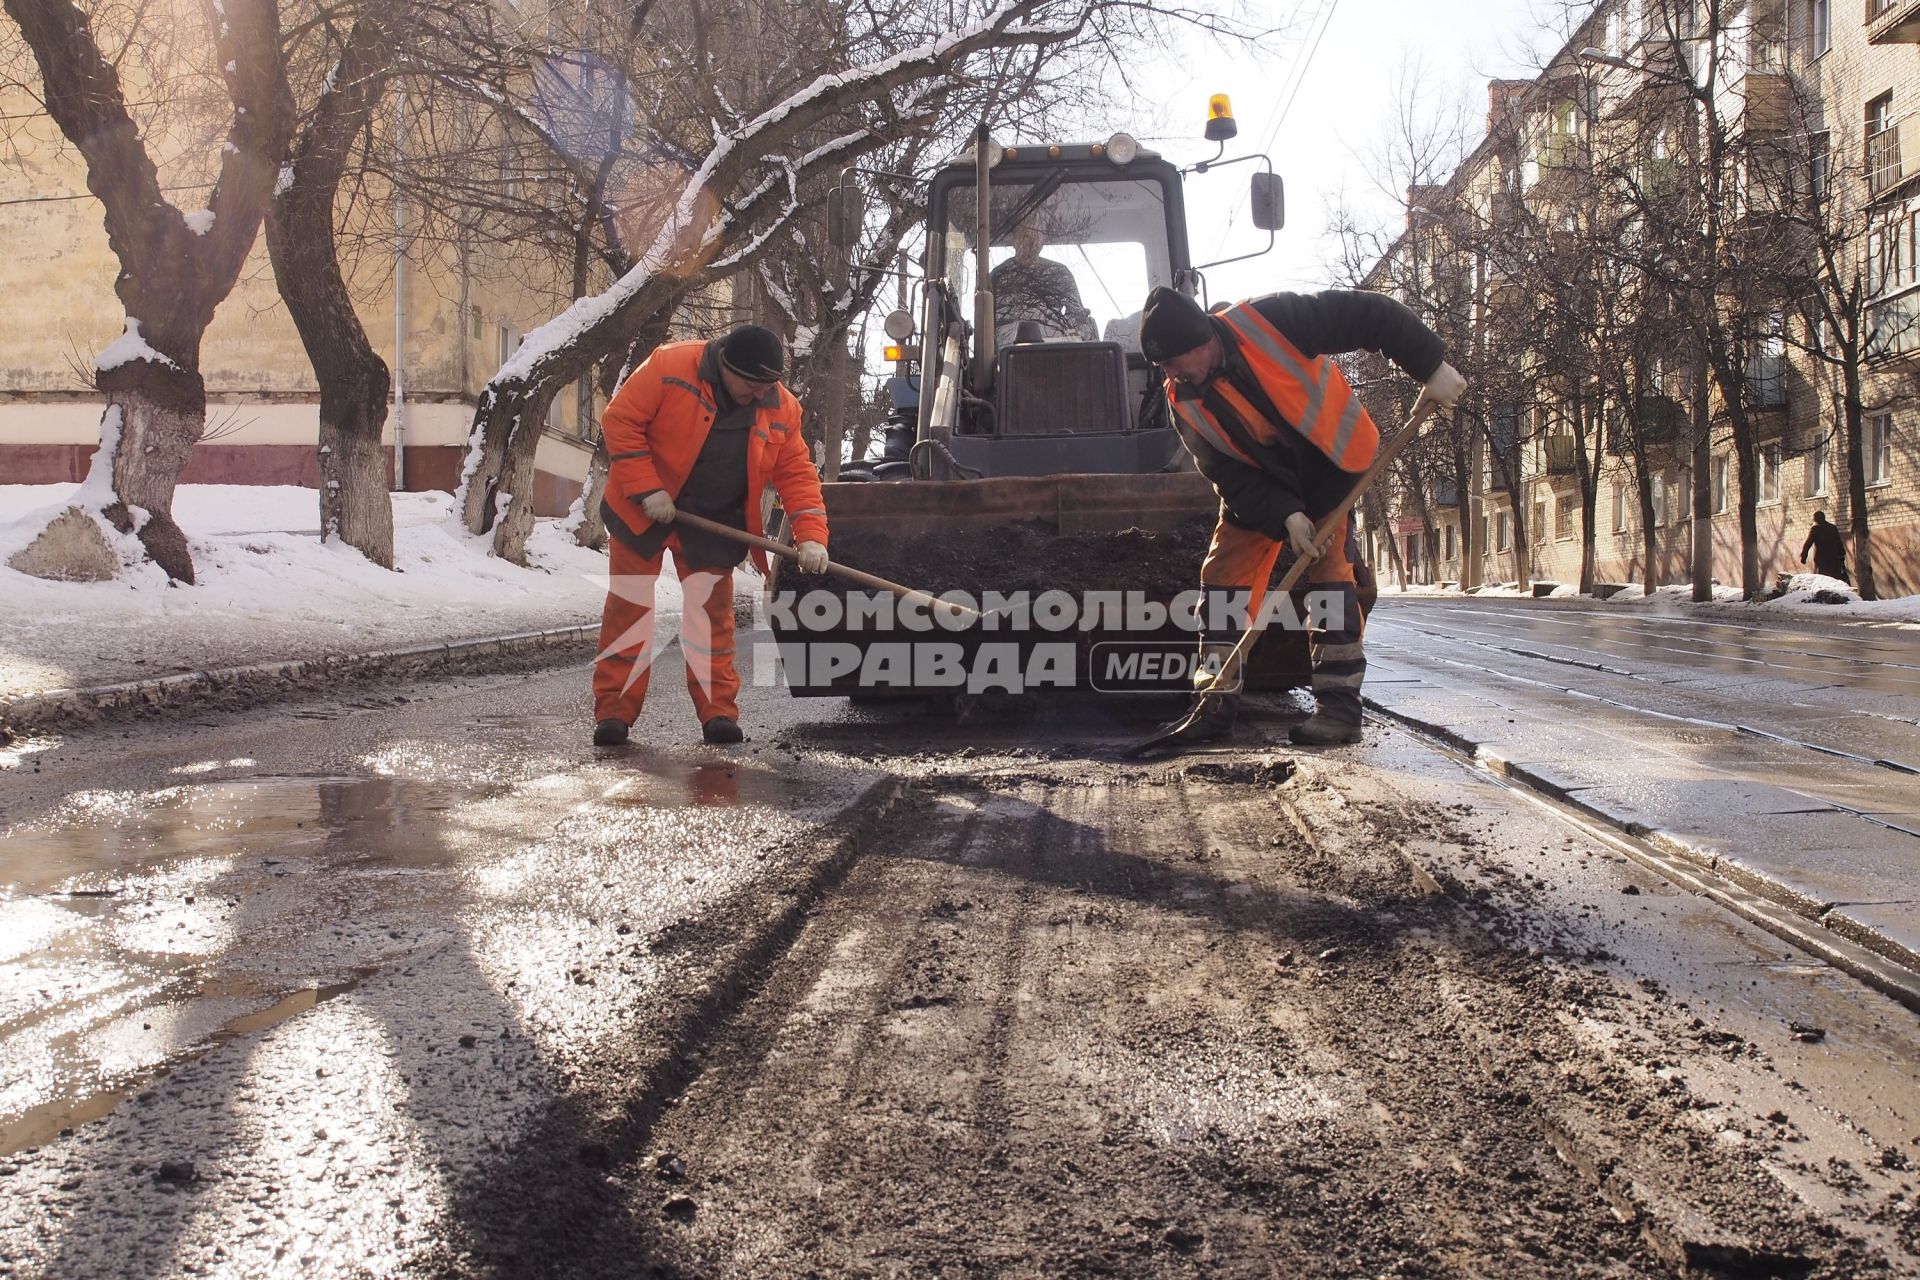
(753, 352)
(1172, 325)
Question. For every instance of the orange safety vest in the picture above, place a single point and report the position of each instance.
(1311, 394)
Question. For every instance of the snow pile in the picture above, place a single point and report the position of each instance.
(1816, 588)
(269, 589)
(1673, 593)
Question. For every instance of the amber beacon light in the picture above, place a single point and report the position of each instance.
(1220, 125)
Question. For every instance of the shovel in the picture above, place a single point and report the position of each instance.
(865, 579)
(1229, 672)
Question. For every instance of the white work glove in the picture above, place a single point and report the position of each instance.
(1300, 534)
(1445, 386)
(813, 557)
(658, 506)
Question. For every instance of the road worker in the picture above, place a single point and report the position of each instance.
(1270, 420)
(701, 427)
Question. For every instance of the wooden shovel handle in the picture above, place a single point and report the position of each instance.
(860, 576)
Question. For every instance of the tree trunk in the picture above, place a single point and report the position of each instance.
(1731, 383)
(833, 426)
(173, 272)
(355, 505)
(154, 416)
(1854, 414)
(589, 527)
(1649, 532)
(1702, 558)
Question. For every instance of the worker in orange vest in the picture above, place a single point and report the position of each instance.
(702, 427)
(1271, 421)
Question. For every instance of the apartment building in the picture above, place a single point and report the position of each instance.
(1583, 203)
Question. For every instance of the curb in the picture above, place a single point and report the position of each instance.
(59, 709)
(1823, 916)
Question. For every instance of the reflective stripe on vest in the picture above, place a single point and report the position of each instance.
(1312, 395)
(1195, 416)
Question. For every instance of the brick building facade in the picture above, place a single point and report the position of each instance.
(1834, 95)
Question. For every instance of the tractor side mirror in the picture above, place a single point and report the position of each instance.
(843, 215)
(1269, 202)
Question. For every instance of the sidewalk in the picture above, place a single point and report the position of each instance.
(274, 606)
(1852, 868)
(1811, 601)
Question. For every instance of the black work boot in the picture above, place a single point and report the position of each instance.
(1323, 730)
(610, 733)
(722, 730)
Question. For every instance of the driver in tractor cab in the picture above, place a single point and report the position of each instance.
(1030, 287)
(1270, 420)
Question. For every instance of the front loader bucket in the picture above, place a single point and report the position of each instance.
(1067, 504)
(1074, 571)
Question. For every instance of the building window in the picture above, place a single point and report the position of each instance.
(1820, 24)
(1680, 497)
(478, 329)
(1883, 145)
(1769, 473)
(1505, 428)
(1539, 529)
(1503, 531)
(1453, 542)
(1817, 473)
(1880, 448)
(1659, 487)
(1893, 327)
(1563, 509)
(1719, 483)
(1819, 163)
(1767, 365)
(1619, 507)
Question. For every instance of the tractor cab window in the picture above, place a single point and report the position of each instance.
(1069, 260)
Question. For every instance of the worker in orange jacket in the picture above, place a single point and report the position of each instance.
(1269, 418)
(702, 427)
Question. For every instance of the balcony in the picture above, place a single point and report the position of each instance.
(1445, 494)
(1561, 453)
(1893, 21)
(1767, 100)
(1893, 156)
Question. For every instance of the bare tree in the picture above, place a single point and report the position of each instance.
(175, 266)
(354, 381)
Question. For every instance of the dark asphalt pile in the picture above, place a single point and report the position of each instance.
(1029, 557)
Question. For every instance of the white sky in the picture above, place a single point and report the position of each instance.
(1342, 105)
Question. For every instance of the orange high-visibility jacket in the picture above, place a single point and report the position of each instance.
(658, 421)
(1311, 394)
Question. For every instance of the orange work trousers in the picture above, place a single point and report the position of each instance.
(1241, 559)
(1244, 558)
(626, 654)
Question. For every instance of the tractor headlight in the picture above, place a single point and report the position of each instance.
(1122, 148)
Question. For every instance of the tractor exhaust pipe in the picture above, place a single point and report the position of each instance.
(983, 329)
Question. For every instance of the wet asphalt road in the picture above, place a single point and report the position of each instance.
(414, 982)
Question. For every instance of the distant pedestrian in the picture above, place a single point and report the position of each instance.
(1829, 550)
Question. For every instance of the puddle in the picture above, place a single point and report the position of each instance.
(41, 1124)
(672, 783)
(98, 837)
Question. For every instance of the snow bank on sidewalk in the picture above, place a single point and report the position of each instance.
(268, 589)
(1808, 596)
